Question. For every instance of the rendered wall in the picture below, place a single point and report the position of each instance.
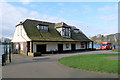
(20, 35)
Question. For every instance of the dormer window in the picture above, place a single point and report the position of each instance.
(64, 29)
(66, 32)
(43, 28)
(76, 31)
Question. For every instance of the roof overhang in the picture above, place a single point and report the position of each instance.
(59, 41)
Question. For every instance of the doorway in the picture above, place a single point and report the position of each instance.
(73, 47)
(60, 48)
(41, 48)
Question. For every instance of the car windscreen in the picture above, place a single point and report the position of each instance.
(103, 44)
(110, 44)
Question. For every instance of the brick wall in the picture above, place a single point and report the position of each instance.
(24, 48)
(18, 49)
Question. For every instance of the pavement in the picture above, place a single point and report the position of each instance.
(47, 66)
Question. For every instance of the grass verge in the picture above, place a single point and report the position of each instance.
(92, 62)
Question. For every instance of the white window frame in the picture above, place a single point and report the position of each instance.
(66, 32)
(82, 45)
(67, 45)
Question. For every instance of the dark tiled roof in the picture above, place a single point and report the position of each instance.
(34, 34)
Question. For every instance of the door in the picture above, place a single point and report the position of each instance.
(41, 48)
(60, 48)
(73, 47)
(28, 46)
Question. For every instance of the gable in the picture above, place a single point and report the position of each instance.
(20, 35)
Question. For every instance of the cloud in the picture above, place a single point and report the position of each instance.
(60, 4)
(25, 2)
(108, 18)
(108, 8)
(65, 0)
(12, 15)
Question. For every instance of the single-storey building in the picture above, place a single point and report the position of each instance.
(33, 37)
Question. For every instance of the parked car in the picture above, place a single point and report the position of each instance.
(106, 46)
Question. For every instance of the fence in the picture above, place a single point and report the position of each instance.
(7, 53)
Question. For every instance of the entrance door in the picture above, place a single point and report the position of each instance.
(73, 47)
(41, 48)
(60, 48)
(28, 46)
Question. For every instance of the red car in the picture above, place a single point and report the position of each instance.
(106, 45)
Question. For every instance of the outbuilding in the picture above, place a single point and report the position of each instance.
(34, 37)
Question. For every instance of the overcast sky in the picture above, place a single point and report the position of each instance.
(91, 17)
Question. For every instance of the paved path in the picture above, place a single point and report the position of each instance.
(48, 67)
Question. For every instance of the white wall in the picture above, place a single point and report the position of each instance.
(78, 45)
(20, 35)
(51, 46)
(59, 30)
(54, 46)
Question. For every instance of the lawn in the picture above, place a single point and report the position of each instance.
(92, 62)
(116, 50)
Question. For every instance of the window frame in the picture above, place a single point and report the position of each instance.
(66, 32)
(67, 45)
(42, 28)
(82, 45)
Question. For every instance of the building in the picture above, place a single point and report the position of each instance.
(34, 37)
(5, 40)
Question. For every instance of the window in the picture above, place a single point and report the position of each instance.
(43, 28)
(21, 46)
(63, 32)
(82, 44)
(76, 31)
(66, 32)
(46, 28)
(16, 46)
(67, 45)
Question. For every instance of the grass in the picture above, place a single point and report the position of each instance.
(92, 62)
(116, 50)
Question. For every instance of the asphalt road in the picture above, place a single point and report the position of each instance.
(48, 67)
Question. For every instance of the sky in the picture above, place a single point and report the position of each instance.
(92, 18)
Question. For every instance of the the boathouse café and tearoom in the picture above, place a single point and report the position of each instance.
(34, 37)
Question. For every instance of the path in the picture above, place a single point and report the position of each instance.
(48, 67)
